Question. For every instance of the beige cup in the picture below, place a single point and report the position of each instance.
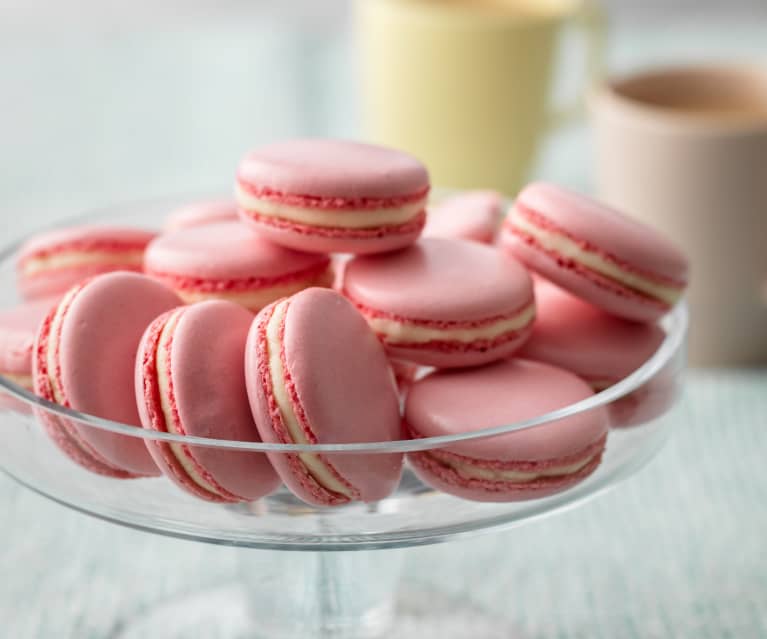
(465, 84)
(686, 150)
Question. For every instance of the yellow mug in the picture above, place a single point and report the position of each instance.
(465, 85)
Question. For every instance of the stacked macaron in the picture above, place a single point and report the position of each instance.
(225, 326)
(333, 196)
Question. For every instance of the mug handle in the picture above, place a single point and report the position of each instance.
(590, 21)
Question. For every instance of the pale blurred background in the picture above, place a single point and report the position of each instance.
(107, 101)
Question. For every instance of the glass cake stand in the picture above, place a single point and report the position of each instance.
(328, 590)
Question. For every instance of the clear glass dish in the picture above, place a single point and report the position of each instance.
(414, 515)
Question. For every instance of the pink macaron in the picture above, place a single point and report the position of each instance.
(50, 263)
(229, 261)
(190, 381)
(333, 195)
(595, 252)
(601, 349)
(520, 465)
(653, 399)
(444, 302)
(316, 374)
(472, 215)
(83, 358)
(18, 327)
(598, 347)
(201, 213)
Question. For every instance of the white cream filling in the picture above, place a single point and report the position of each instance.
(569, 249)
(400, 332)
(256, 300)
(313, 463)
(350, 219)
(163, 384)
(470, 471)
(25, 381)
(132, 258)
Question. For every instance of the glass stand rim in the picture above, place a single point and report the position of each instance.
(328, 542)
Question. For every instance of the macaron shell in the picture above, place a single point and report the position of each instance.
(333, 168)
(651, 400)
(583, 339)
(18, 327)
(208, 381)
(310, 240)
(586, 219)
(60, 429)
(641, 406)
(473, 216)
(11, 403)
(342, 379)
(440, 279)
(509, 391)
(225, 251)
(99, 338)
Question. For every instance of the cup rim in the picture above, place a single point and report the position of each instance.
(609, 94)
(465, 14)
